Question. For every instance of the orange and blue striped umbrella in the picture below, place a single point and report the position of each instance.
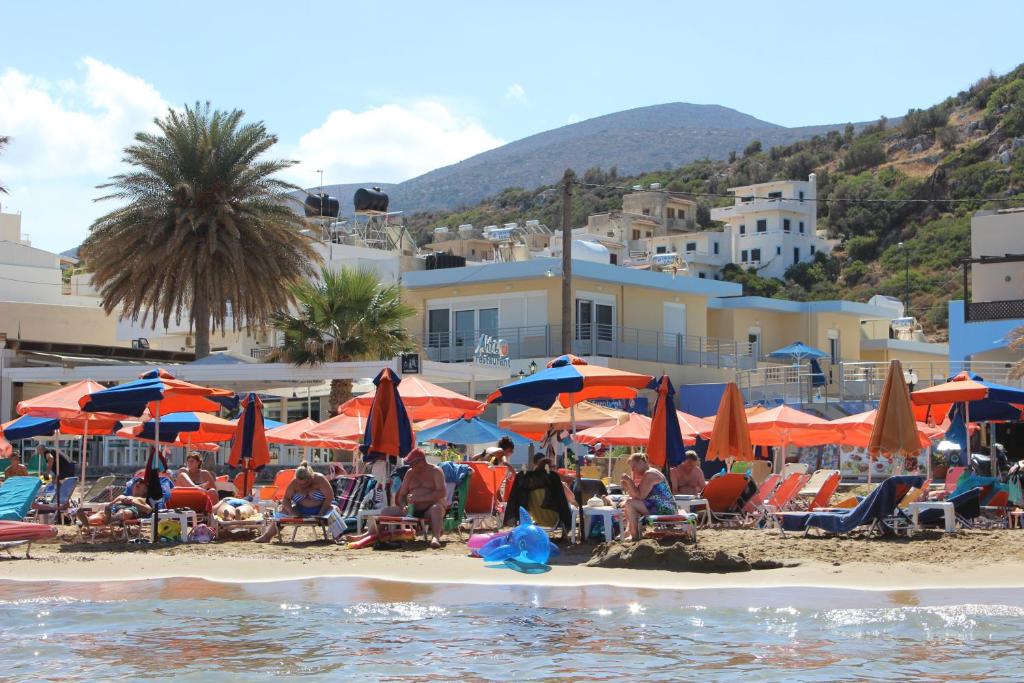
(388, 430)
(665, 445)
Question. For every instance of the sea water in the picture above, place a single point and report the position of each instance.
(343, 629)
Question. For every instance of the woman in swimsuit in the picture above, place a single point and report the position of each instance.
(231, 508)
(648, 491)
(193, 474)
(121, 509)
(308, 495)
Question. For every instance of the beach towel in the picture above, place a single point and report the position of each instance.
(16, 496)
(878, 505)
(454, 472)
(966, 505)
(522, 495)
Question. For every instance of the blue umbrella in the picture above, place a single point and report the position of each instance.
(158, 389)
(269, 424)
(467, 431)
(27, 427)
(798, 352)
(388, 430)
(957, 432)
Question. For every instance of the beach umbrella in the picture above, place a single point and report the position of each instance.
(291, 434)
(191, 425)
(28, 427)
(895, 430)
(569, 379)
(798, 352)
(388, 431)
(341, 431)
(635, 431)
(183, 440)
(783, 426)
(665, 448)
(692, 426)
(730, 435)
(422, 401)
(534, 423)
(249, 447)
(472, 430)
(855, 430)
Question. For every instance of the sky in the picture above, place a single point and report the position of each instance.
(389, 92)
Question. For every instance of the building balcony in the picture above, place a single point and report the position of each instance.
(980, 311)
(723, 213)
(612, 341)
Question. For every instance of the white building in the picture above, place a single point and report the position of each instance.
(774, 225)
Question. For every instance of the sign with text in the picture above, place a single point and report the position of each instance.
(492, 351)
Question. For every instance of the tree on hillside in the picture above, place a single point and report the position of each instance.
(4, 141)
(205, 233)
(347, 315)
(1016, 344)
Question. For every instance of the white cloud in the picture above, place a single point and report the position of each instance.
(574, 118)
(73, 127)
(516, 93)
(389, 143)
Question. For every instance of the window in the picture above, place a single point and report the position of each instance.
(714, 247)
(437, 327)
(716, 276)
(584, 318)
(691, 246)
(812, 250)
(746, 199)
(671, 212)
(472, 252)
(682, 214)
(647, 212)
(660, 250)
(613, 259)
(801, 227)
(796, 254)
(785, 225)
(801, 196)
(743, 256)
(778, 251)
(489, 321)
(775, 195)
(647, 234)
(743, 230)
(605, 322)
(702, 276)
(465, 324)
(755, 255)
(636, 234)
(762, 225)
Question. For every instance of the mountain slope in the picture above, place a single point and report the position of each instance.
(655, 137)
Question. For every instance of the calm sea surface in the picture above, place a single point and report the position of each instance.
(341, 629)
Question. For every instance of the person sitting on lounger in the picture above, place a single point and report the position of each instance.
(648, 492)
(121, 509)
(193, 474)
(232, 508)
(308, 495)
(687, 477)
(15, 469)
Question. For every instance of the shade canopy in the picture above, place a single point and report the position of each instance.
(63, 402)
(894, 430)
(693, 426)
(533, 423)
(855, 430)
(985, 401)
(785, 426)
(568, 379)
(635, 431)
(730, 435)
(28, 426)
(469, 431)
(180, 441)
(291, 434)
(797, 351)
(388, 430)
(158, 391)
(422, 401)
(190, 425)
(340, 431)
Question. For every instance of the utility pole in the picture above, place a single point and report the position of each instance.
(567, 182)
(906, 279)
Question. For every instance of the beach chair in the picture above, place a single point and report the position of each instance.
(814, 484)
(764, 492)
(781, 499)
(271, 496)
(482, 495)
(874, 511)
(997, 509)
(953, 475)
(16, 496)
(966, 508)
(455, 492)
(823, 496)
(14, 534)
(725, 496)
(47, 504)
(758, 469)
(794, 468)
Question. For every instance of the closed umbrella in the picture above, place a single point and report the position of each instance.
(730, 435)
(665, 448)
(422, 400)
(895, 430)
(388, 432)
(249, 444)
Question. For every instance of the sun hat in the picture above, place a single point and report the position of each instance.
(414, 456)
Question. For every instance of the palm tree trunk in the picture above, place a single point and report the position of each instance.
(201, 322)
(341, 391)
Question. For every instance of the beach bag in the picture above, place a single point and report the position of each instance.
(336, 524)
(201, 534)
(169, 530)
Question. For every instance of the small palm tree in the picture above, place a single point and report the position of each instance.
(1016, 344)
(346, 315)
(4, 141)
(205, 231)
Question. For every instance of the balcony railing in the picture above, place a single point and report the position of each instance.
(979, 311)
(612, 341)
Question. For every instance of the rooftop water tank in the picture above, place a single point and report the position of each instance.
(655, 186)
(370, 200)
(441, 230)
(590, 251)
(321, 205)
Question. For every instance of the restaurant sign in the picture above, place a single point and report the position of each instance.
(492, 351)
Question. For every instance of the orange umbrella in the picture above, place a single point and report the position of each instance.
(784, 426)
(249, 442)
(340, 431)
(895, 430)
(180, 441)
(693, 426)
(855, 430)
(291, 434)
(635, 431)
(730, 435)
(194, 426)
(422, 401)
(533, 423)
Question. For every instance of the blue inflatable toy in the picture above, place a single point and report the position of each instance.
(525, 549)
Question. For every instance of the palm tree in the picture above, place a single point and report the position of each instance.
(1016, 337)
(205, 232)
(346, 315)
(4, 141)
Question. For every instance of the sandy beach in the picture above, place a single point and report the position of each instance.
(974, 558)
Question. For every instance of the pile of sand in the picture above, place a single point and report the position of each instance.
(674, 556)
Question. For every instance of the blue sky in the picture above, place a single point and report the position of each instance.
(387, 93)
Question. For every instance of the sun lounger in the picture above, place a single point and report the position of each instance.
(46, 504)
(764, 492)
(814, 484)
(824, 494)
(997, 509)
(725, 496)
(781, 499)
(794, 468)
(966, 508)
(758, 469)
(14, 534)
(953, 475)
(455, 493)
(16, 496)
(874, 511)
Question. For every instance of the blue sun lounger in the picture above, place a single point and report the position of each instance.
(966, 505)
(16, 496)
(880, 505)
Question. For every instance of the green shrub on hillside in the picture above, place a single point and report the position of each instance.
(862, 247)
(865, 152)
(854, 273)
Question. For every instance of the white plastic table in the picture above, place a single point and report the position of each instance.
(946, 507)
(607, 514)
(184, 517)
(687, 503)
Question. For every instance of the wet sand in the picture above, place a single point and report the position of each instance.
(973, 558)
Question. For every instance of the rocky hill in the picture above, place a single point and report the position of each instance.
(955, 156)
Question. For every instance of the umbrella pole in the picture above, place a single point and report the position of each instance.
(156, 464)
(579, 469)
(56, 470)
(85, 452)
